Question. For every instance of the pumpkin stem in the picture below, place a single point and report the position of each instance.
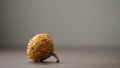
(55, 55)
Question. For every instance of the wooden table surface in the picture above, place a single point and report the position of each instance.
(69, 58)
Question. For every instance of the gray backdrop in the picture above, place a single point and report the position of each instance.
(69, 22)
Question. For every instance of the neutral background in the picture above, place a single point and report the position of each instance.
(69, 22)
(74, 25)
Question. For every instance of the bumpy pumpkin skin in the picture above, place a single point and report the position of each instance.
(40, 47)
